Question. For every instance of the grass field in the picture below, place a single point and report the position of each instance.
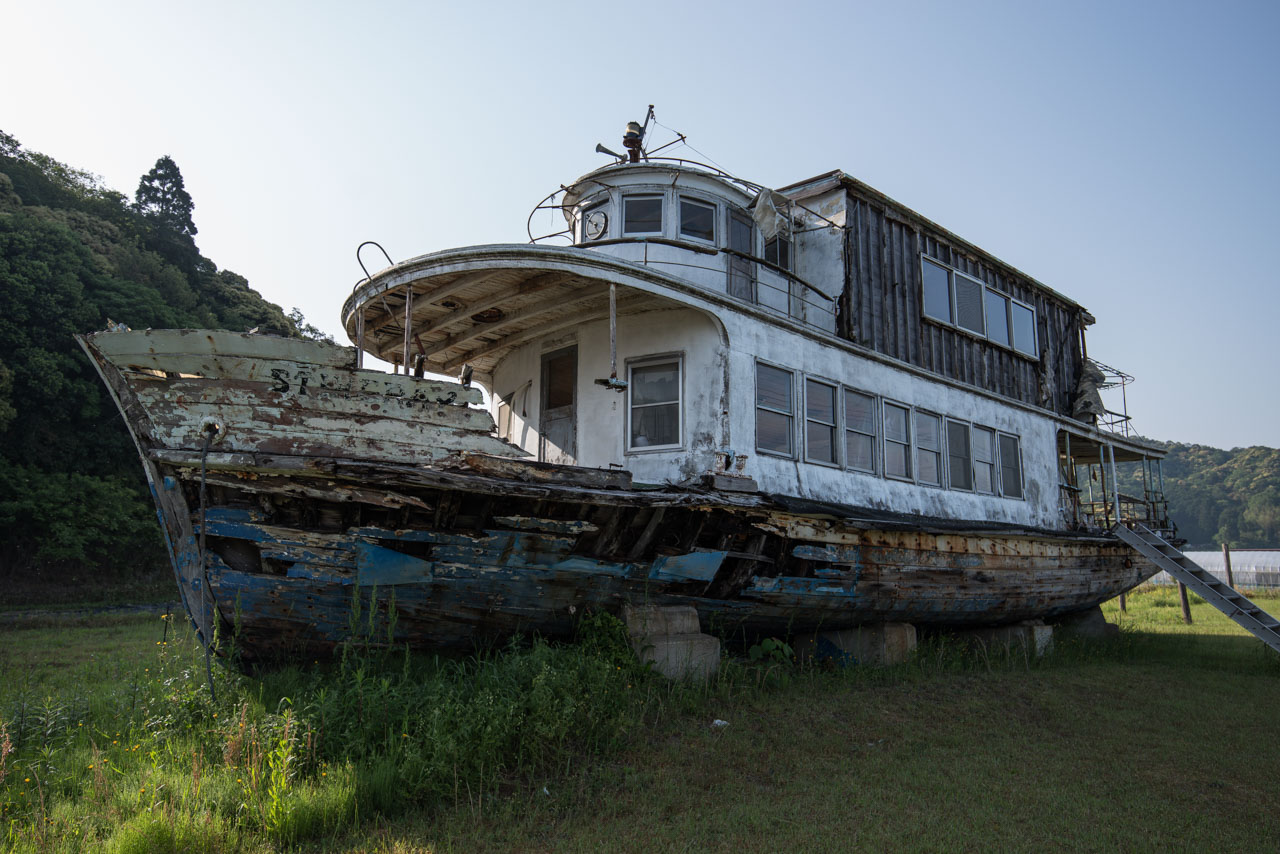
(1162, 740)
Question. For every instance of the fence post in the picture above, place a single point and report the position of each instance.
(1186, 605)
(1226, 559)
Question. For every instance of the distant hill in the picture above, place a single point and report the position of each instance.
(1218, 496)
(73, 254)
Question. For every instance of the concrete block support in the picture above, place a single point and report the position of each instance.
(670, 639)
(876, 645)
(1087, 624)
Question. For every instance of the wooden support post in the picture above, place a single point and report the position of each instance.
(408, 326)
(360, 338)
(1226, 559)
(1123, 604)
(1186, 605)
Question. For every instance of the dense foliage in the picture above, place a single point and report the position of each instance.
(1218, 496)
(73, 254)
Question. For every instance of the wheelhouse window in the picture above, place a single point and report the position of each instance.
(1010, 466)
(928, 449)
(697, 220)
(897, 441)
(654, 411)
(777, 251)
(859, 431)
(642, 215)
(959, 456)
(820, 422)
(984, 460)
(775, 410)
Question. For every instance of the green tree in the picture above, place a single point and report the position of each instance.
(163, 199)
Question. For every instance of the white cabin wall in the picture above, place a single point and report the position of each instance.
(1037, 434)
(601, 417)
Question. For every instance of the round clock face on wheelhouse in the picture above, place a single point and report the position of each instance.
(595, 224)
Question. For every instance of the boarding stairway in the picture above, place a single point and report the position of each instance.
(1217, 593)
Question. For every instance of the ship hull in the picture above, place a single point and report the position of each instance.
(305, 502)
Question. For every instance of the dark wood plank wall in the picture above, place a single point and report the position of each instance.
(882, 302)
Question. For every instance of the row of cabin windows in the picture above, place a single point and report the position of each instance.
(845, 428)
(643, 215)
(960, 300)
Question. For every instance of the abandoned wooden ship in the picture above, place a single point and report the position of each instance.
(795, 409)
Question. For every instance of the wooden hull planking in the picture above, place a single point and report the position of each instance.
(326, 486)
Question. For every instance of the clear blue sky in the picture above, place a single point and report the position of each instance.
(1122, 153)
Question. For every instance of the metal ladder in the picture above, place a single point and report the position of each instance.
(1217, 593)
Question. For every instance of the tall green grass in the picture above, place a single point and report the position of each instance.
(148, 760)
(110, 740)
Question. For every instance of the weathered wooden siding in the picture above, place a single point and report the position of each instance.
(881, 308)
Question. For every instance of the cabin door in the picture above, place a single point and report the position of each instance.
(558, 436)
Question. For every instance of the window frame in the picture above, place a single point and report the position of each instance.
(662, 214)
(953, 321)
(946, 441)
(994, 462)
(837, 434)
(982, 302)
(1035, 330)
(791, 433)
(1022, 477)
(877, 428)
(681, 198)
(885, 403)
(940, 451)
(644, 362)
(764, 252)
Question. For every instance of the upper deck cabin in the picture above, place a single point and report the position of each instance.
(822, 339)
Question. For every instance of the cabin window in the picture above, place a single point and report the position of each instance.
(969, 304)
(1024, 329)
(642, 215)
(928, 449)
(1010, 466)
(819, 422)
(959, 455)
(697, 220)
(897, 441)
(653, 389)
(778, 252)
(955, 298)
(775, 410)
(984, 460)
(998, 318)
(859, 431)
(742, 279)
(937, 291)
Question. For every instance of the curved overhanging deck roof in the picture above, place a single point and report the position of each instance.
(471, 306)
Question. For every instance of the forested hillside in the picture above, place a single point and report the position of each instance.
(1218, 496)
(72, 254)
